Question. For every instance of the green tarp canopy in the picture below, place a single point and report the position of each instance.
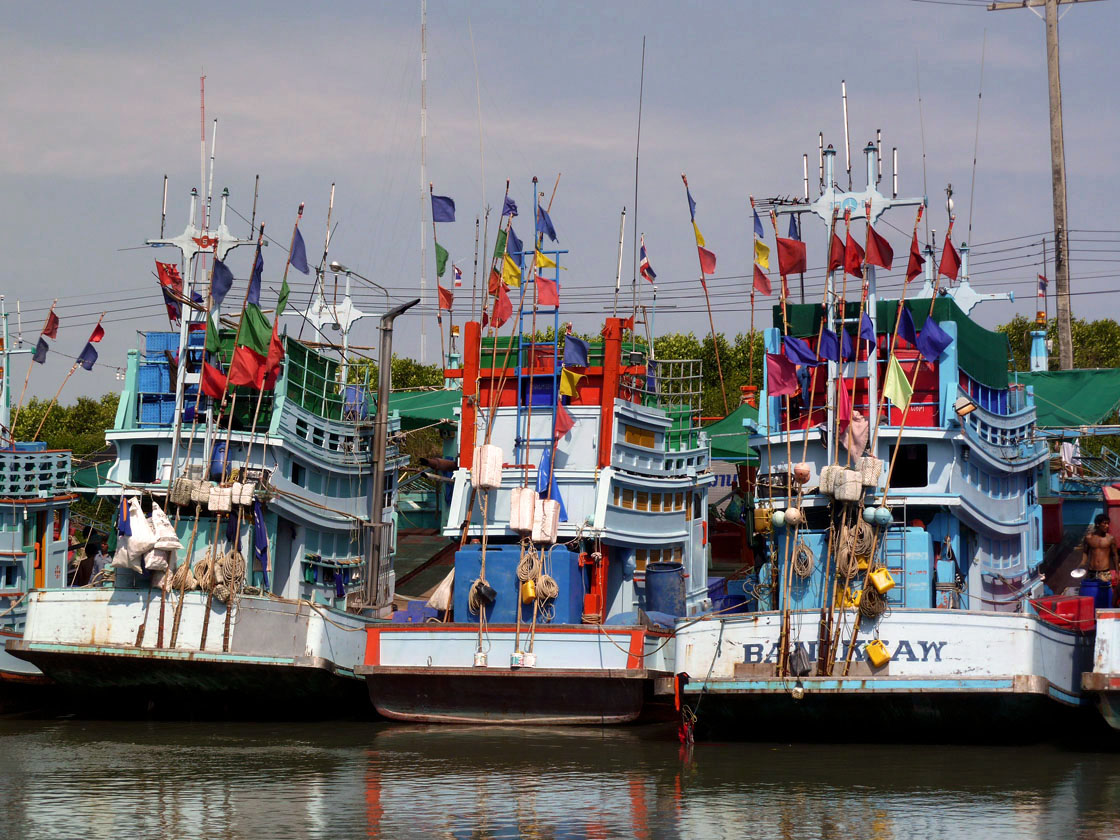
(90, 477)
(423, 408)
(981, 353)
(729, 437)
(1073, 397)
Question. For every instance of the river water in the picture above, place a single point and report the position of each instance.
(95, 779)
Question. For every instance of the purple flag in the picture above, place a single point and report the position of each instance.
(866, 328)
(298, 258)
(221, 282)
(509, 207)
(255, 280)
(933, 340)
(41, 348)
(906, 326)
(828, 347)
(443, 208)
(88, 357)
(781, 376)
(799, 352)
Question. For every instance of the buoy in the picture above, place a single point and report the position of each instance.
(778, 519)
(869, 515)
(793, 517)
(883, 516)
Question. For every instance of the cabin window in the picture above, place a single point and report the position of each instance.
(678, 553)
(911, 465)
(643, 500)
(617, 494)
(628, 498)
(143, 462)
(655, 502)
(57, 525)
(638, 437)
(10, 577)
(641, 557)
(697, 506)
(298, 474)
(678, 501)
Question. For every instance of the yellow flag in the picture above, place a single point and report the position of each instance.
(545, 262)
(511, 272)
(569, 382)
(897, 388)
(699, 235)
(762, 254)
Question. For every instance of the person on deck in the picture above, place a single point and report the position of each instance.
(1101, 557)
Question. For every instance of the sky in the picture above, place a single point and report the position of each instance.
(100, 101)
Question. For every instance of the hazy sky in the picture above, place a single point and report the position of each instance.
(101, 100)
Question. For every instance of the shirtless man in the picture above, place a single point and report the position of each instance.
(1100, 550)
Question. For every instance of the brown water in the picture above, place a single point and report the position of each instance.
(230, 781)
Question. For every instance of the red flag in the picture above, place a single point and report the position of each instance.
(547, 293)
(271, 370)
(917, 261)
(213, 381)
(843, 406)
(950, 259)
(791, 256)
(761, 281)
(247, 367)
(781, 376)
(835, 254)
(495, 282)
(707, 261)
(169, 276)
(97, 334)
(879, 251)
(503, 309)
(50, 330)
(445, 297)
(564, 421)
(853, 258)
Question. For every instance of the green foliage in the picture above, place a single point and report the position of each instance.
(1096, 344)
(407, 373)
(734, 358)
(79, 427)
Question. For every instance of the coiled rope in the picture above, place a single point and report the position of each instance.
(871, 603)
(803, 560)
(864, 538)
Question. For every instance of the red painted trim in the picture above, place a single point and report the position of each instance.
(64, 498)
(472, 338)
(14, 553)
(1112, 615)
(373, 646)
(612, 352)
(637, 648)
(704, 533)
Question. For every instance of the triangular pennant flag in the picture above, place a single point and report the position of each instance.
(564, 422)
(546, 482)
(698, 234)
(544, 223)
(762, 281)
(791, 256)
(547, 292)
(569, 382)
(794, 233)
(866, 328)
(509, 207)
(445, 297)
(247, 367)
(441, 260)
(759, 231)
(50, 329)
(896, 388)
(707, 261)
(917, 261)
(503, 308)
(853, 257)
(297, 259)
(271, 370)
(835, 254)
(843, 405)
(933, 341)
(500, 244)
(282, 300)
(514, 247)
(879, 251)
(256, 331)
(544, 261)
(97, 334)
(906, 326)
(762, 254)
(213, 343)
(443, 208)
(950, 260)
(495, 282)
(847, 346)
(575, 351)
(781, 376)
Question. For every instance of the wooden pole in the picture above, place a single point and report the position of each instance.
(27, 378)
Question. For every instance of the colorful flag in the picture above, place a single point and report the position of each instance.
(896, 388)
(171, 283)
(255, 280)
(213, 381)
(866, 328)
(933, 340)
(762, 254)
(443, 209)
(1042, 284)
(917, 261)
(495, 282)
(458, 275)
(213, 342)
(798, 351)
(791, 256)
(50, 329)
(575, 351)
(221, 281)
(282, 300)
(509, 207)
(707, 261)
(828, 348)
(548, 293)
(511, 272)
(847, 346)
(564, 422)
(297, 259)
(644, 268)
(441, 260)
(546, 482)
(544, 261)
(247, 367)
(97, 334)
(260, 542)
(500, 245)
(843, 405)
(835, 254)
(853, 257)
(271, 370)
(906, 326)
(762, 281)
(445, 297)
(759, 231)
(794, 232)
(124, 519)
(256, 331)
(544, 223)
(950, 259)
(88, 357)
(503, 308)
(514, 247)
(691, 203)
(41, 348)
(699, 236)
(879, 251)
(781, 376)
(569, 382)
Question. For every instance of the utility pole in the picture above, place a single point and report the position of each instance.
(1058, 169)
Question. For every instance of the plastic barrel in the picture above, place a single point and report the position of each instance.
(1098, 590)
(665, 588)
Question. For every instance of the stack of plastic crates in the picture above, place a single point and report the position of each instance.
(154, 386)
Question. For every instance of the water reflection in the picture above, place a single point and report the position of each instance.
(112, 780)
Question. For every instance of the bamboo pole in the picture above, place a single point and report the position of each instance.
(54, 399)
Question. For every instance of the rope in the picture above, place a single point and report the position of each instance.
(864, 538)
(14, 604)
(871, 603)
(474, 601)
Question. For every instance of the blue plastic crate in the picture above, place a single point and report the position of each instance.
(155, 343)
(153, 378)
(195, 338)
(157, 409)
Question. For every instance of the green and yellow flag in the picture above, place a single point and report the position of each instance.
(897, 388)
(762, 254)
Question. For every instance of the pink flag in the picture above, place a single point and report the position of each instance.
(564, 421)
(761, 281)
(843, 405)
(707, 261)
(781, 376)
(547, 293)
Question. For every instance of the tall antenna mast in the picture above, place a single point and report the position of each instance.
(847, 142)
(637, 149)
(202, 140)
(424, 199)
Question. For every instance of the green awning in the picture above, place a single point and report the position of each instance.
(729, 437)
(423, 408)
(982, 354)
(1073, 397)
(91, 477)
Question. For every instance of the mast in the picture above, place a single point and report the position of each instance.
(423, 166)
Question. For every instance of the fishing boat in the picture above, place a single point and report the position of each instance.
(900, 532)
(256, 521)
(579, 507)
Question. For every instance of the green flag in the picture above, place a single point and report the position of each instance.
(897, 388)
(441, 260)
(256, 331)
(500, 244)
(282, 303)
(213, 342)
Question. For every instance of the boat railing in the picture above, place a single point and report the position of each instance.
(34, 475)
(674, 386)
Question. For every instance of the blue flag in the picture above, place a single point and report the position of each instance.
(260, 540)
(255, 280)
(298, 258)
(691, 203)
(124, 524)
(849, 345)
(88, 357)
(197, 298)
(794, 233)
(544, 223)
(509, 207)
(798, 352)
(513, 247)
(758, 230)
(933, 340)
(829, 346)
(221, 282)
(41, 348)
(233, 533)
(866, 328)
(546, 482)
(575, 351)
(906, 326)
(443, 208)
